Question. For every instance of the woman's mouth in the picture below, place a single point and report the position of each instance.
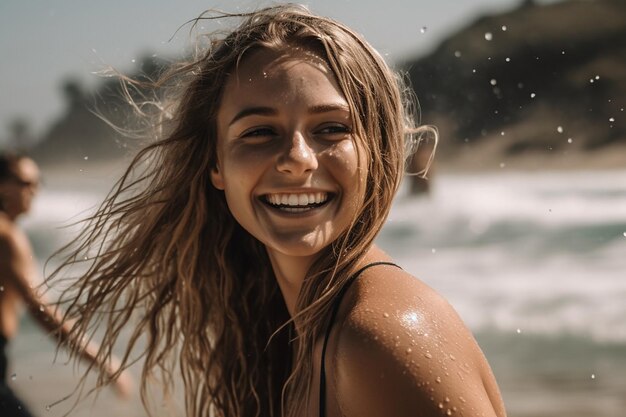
(296, 202)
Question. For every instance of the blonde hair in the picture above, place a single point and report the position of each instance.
(164, 243)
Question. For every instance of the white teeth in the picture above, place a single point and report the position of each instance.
(296, 200)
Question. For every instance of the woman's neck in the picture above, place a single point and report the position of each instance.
(290, 272)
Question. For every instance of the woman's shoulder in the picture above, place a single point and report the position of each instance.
(403, 350)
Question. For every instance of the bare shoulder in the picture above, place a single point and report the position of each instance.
(13, 242)
(403, 350)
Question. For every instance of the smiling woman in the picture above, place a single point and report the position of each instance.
(244, 235)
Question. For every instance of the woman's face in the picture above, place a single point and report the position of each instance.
(288, 159)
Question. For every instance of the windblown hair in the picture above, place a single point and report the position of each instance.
(8, 166)
(165, 248)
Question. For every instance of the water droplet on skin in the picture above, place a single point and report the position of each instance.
(447, 399)
(440, 405)
(13, 377)
(1, 288)
(423, 29)
(559, 129)
(408, 350)
(428, 355)
(452, 357)
(41, 308)
(488, 36)
(611, 119)
(457, 54)
(533, 95)
(438, 379)
(449, 412)
(493, 81)
(385, 315)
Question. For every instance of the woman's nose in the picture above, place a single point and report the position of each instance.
(298, 157)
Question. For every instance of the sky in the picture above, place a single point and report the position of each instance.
(45, 42)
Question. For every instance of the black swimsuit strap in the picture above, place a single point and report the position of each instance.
(335, 309)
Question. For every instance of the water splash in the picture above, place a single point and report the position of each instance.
(488, 36)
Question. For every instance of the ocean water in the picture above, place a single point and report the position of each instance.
(535, 264)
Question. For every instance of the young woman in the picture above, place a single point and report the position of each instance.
(244, 235)
(19, 180)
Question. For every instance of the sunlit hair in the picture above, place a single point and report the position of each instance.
(164, 245)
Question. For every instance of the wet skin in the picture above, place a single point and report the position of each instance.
(397, 348)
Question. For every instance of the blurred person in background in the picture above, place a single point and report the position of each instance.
(19, 181)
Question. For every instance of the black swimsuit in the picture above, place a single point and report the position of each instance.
(336, 304)
(10, 405)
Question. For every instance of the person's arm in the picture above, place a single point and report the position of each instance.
(17, 268)
(404, 351)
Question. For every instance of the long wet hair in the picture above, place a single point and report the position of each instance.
(165, 250)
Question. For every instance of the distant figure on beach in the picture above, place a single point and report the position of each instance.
(19, 180)
(239, 244)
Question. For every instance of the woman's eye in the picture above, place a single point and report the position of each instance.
(258, 132)
(335, 129)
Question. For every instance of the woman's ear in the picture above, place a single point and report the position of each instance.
(216, 178)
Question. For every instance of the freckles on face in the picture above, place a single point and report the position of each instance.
(288, 159)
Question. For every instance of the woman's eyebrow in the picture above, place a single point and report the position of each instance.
(249, 111)
(325, 108)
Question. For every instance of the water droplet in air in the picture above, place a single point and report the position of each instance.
(86, 158)
(48, 408)
(385, 315)
(504, 28)
(624, 234)
(562, 52)
(502, 164)
(519, 331)
(433, 250)
(457, 54)
(559, 129)
(41, 308)
(508, 59)
(493, 81)
(13, 377)
(597, 77)
(593, 376)
(502, 133)
(488, 36)
(533, 95)
(1, 288)
(423, 29)
(133, 60)
(611, 119)
(570, 140)
(474, 70)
